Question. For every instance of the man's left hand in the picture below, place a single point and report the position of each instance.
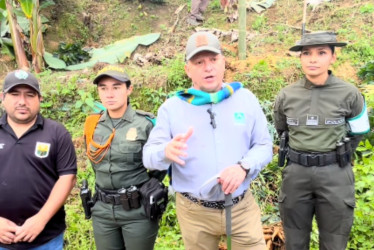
(32, 227)
(231, 178)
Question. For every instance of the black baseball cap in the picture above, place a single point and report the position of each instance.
(20, 77)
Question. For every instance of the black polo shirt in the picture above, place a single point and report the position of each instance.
(29, 168)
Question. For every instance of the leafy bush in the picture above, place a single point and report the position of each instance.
(67, 103)
(265, 189)
(367, 8)
(79, 233)
(366, 73)
(169, 235)
(177, 78)
(263, 81)
(361, 51)
(71, 53)
(148, 99)
(260, 22)
(360, 237)
(267, 108)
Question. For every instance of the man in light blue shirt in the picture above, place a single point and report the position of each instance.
(215, 137)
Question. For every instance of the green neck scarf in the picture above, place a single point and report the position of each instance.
(198, 97)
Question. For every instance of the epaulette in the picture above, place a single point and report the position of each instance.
(149, 116)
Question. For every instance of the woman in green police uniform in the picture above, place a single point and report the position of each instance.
(115, 151)
(324, 117)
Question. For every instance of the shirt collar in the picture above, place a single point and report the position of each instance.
(309, 85)
(128, 115)
(38, 123)
(3, 120)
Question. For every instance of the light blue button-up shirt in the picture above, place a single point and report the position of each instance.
(241, 134)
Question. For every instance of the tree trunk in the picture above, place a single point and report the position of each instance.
(242, 29)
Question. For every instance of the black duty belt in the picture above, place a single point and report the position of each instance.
(108, 196)
(312, 159)
(213, 204)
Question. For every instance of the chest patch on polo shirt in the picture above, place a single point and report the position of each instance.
(2, 145)
(239, 117)
(334, 121)
(311, 120)
(42, 149)
(131, 134)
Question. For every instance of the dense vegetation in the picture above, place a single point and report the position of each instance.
(70, 96)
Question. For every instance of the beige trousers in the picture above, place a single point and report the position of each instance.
(202, 227)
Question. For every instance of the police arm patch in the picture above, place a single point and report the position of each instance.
(359, 124)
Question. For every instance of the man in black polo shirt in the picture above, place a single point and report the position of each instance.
(37, 169)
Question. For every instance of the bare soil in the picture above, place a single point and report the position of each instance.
(100, 22)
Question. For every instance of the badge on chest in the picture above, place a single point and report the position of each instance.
(42, 149)
(131, 134)
(311, 120)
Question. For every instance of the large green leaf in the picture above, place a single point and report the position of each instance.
(116, 52)
(46, 4)
(53, 62)
(24, 23)
(2, 4)
(6, 41)
(27, 7)
(4, 27)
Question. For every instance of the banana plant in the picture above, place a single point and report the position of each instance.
(17, 39)
(31, 10)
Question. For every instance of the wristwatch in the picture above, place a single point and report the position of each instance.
(244, 166)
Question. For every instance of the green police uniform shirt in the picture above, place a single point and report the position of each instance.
(122, 165)
(316, 116)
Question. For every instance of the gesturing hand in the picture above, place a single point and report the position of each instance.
(177, 146)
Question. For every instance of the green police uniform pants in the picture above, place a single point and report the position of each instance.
(326, 192)
(117, 229)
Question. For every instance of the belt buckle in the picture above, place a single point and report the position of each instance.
(313, 160)
(304, 160)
